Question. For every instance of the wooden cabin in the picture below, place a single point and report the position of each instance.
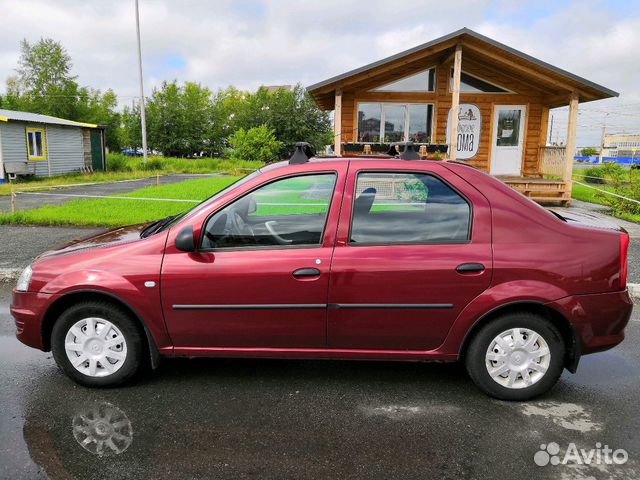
(502, 98)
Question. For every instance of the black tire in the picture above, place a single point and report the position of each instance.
(475, 355)
(120, 318)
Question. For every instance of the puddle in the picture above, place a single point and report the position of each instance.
(570, 416)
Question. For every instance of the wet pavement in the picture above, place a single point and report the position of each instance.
(216, 418)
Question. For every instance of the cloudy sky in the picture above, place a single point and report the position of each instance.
(248, 43)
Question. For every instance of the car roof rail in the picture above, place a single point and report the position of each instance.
(409, 152)
(302, 153)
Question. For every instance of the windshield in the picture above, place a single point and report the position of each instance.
(173, 221)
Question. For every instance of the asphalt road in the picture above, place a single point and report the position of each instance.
(29, 201)
(263, 419)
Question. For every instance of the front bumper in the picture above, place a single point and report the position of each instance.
(27, 309)
(599, 320)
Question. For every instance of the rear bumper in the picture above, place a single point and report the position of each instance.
(27, 309)
(599, 320)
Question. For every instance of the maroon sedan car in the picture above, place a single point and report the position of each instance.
(370, 259)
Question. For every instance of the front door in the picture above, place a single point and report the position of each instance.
(96, 151)
(413, 249)
(508, 139)
(260, 277)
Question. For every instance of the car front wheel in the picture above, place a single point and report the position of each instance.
(517, 356)
(97, 344)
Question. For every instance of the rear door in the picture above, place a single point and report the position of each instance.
(413, 249)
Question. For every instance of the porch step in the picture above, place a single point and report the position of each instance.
(541, 191)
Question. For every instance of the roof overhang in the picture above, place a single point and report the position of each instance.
(555, 84)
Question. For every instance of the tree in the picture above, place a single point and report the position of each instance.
(224, 118)
(178, 118)
(589, 152)
(44, 84)
(291, 114)
(255, 144)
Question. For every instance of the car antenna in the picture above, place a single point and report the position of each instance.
(408, 153)
(302, 153)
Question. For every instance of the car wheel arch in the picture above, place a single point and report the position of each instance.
(65, 301)
(564, 326)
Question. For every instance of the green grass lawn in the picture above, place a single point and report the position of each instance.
(120, 168)
(586, 194)
(113, 213)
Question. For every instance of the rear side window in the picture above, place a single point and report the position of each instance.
(406, 208)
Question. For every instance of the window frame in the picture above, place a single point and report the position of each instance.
(506, 90)
(435, 83)
(407, 118)
(33, 131)
(392, 244)
(199, 248)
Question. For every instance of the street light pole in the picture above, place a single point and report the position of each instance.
(143, 119)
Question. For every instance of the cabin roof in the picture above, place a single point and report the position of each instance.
(14, 115)
(556, 80)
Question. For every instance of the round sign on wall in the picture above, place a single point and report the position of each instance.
(469, 122)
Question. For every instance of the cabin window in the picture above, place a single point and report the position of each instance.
(471, 84)
(36, 144)
(424, 81)
(395, 122)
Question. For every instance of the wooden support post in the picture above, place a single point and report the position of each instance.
(337, 123)
(455, 103)
(570, 149)
(157, 179)
(13, 201)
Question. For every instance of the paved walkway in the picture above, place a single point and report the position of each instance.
(27, 202)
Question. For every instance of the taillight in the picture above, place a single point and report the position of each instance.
(624, 253)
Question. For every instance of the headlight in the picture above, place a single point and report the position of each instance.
(24, 280)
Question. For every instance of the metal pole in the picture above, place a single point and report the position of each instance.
(143, 119)
(604, 129)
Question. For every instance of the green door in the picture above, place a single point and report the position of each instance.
(96, 151)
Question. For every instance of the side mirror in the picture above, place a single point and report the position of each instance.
(185, 241)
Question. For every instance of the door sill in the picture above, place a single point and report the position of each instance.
(310, 353)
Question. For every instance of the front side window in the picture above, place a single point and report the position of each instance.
(407, 208)
(36, 146)
(394, 122)
(288, 212)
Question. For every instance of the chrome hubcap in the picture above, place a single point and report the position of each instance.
(518, 358)
(95, 347)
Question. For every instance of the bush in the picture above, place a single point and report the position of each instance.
(118, 163)
(255, 144)
(608, 173)
(164, 165)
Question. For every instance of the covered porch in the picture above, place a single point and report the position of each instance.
(501, 98)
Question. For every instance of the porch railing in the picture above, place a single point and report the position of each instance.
(552, 162)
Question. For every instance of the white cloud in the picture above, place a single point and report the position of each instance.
(252, 42)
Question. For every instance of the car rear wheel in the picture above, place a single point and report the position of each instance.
(97, 344)
(517, 356)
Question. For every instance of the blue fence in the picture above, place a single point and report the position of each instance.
(620, 160)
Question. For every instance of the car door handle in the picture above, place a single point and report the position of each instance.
(306, 273)
(470, 268)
